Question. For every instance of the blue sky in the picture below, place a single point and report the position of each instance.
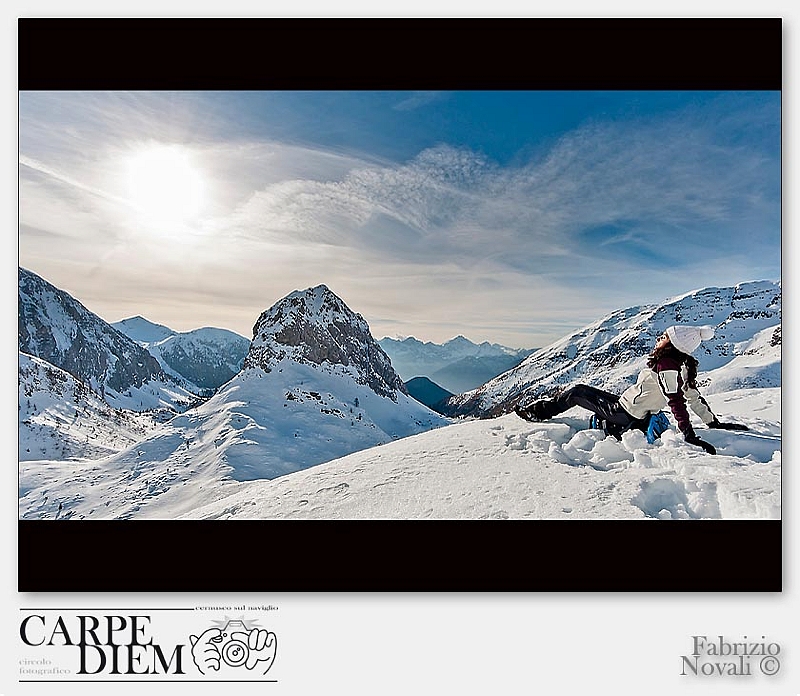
(513, 217)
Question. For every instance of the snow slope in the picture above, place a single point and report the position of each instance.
(61, 418)
(502, 468)
(756, 363)
(506, 468)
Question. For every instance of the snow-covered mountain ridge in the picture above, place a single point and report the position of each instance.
(203, 359)
(314, 386)
(610, 352)
(55, 327)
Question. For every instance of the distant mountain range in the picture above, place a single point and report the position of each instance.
(610, 352)
(457, 365)
(203, 359)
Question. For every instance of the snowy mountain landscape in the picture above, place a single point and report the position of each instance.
(318, 424)
(314, 386)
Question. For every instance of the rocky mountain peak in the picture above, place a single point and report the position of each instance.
(316, 327)
(56, 328)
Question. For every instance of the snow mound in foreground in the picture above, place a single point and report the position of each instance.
(506, 468)
(502, 468)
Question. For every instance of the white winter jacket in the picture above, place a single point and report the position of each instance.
(654, 389)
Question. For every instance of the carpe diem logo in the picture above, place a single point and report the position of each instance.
(234, 645)
(59, 645)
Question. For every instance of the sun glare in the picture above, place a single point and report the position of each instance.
(164, 186)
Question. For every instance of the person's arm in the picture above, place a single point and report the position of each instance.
(671, 383)
(700, 406)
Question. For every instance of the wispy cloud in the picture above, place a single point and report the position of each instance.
(417, 100)
(660, 183)
(72, 182)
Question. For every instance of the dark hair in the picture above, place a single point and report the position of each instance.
(672, 352)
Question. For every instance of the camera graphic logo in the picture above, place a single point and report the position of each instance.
(235, 645)
(234, 650)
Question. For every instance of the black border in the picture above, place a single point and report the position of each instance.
(415, 54)
(386, 54)
(400, 556)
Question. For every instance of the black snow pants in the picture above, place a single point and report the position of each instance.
(602, 403)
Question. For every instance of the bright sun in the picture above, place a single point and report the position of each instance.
(164, 185)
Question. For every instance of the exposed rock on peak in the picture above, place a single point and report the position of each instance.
(315, 326)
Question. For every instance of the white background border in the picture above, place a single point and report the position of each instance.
(446, 643)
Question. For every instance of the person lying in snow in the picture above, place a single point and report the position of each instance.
(670, 378)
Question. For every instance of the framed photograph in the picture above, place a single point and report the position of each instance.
(381, 305)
